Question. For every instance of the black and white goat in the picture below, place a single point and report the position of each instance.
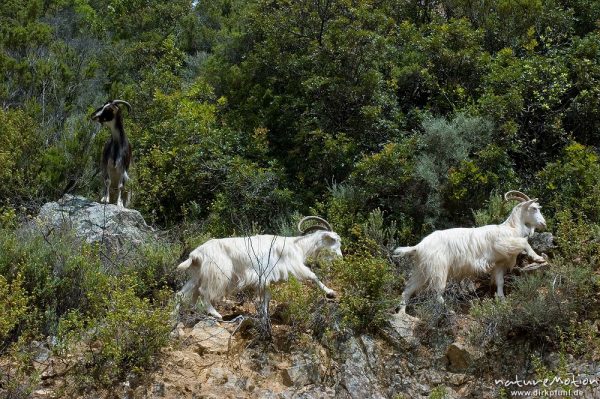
(116, 155)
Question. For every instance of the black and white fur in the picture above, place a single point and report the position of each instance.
(116, 156)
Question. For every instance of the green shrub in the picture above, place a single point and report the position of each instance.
(19, 158)
(539, 302)
(121, 333)
(13, 305)
(549, 300)
(38, 163)
(18, 378)
(577, 238)
(385, 181)
(573, 182)
(471, 182)
(300, 302)
(496, 210)
(343, 208)
(250, 197)
(154, 265)
(438, 392)
(374, 228)
(57, 270)
(424, 180)
(365, 281)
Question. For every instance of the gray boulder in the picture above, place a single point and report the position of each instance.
(95, 222)
(542, 242)
(357, 377)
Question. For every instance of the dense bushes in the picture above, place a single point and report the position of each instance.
(421, 113)
(54, 284)
(13, 303)
(122, 333)
(366, 282)
(391, 119)
(573, 182)
(549, 300)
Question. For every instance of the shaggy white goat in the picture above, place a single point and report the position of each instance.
(221, 266)
(462, 252)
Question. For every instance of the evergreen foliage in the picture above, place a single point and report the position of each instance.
(390, 118)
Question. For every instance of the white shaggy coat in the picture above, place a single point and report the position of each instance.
(222, 266)
(462, 252)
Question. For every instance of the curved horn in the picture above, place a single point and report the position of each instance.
(122, 102)
(516, 195)
(324, 225)
(314, 228)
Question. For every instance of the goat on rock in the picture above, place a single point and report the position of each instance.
(116, 155)
(463, 252)
(221, 266)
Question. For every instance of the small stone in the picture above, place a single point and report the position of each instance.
(405, 325)
(210, 338)
(461, 357)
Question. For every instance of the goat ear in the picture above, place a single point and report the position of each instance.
(329, 237)
(527, 204)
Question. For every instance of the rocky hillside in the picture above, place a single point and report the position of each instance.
(405, 358)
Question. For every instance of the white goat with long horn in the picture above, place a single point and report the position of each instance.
(462, 252)
(221, 266)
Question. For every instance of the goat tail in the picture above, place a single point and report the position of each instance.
(402, 251)
(193, 260)
(186, 264)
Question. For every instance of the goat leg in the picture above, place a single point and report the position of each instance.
(533, 255)
(106, 198)
(328, 291)
(498, 278)
(120, 189)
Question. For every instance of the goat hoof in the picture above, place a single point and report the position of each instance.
(217, 316)
(331, 295)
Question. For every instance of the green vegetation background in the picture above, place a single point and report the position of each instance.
(389, 118)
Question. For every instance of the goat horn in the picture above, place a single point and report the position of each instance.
(516, 195)
(122, 102)
(324, 225)
(314, 228)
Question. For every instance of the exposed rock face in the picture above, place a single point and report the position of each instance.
(462, 357)
(358, 374)
(303, 371)
(95, 222)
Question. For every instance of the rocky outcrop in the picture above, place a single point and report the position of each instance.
(462, 357)
(95, 222)
(542, 243)
(359, 370)
(304, 370)
(403, 329)
(210, 337)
